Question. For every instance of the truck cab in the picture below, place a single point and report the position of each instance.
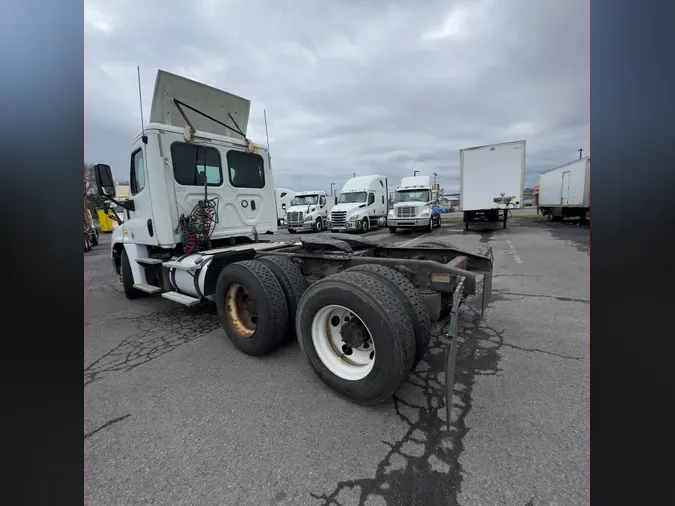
(362, 204)
(413, 205)
(309, 211)
(196, 180)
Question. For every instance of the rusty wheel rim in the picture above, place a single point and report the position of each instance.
(240, 311)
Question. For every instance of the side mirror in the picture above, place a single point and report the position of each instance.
(104, 180)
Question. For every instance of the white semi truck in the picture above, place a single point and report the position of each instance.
(309, 211)
(413, 205)
(565, 192)
(201, 193)
(283, 197)
(491, 181)
(362, 205)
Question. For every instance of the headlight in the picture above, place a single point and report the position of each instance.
(391, 213)
(424, 214)
(355, 217)
(308, 218)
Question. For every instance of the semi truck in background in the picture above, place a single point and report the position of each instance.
(283, 197)
(413, 205)
(565, 191)
(309, 211)
(491, 181)
(202, 193)
(362, 205)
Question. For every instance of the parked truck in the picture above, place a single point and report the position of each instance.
(362, 205)
(564, 192)
(361, 311)
(283, 197)
(491, 181)
(413, 205)
(309, 211)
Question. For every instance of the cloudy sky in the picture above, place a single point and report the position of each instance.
(367, 86)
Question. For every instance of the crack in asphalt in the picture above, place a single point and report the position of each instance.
(106, 425)
(422, 467)
(158, 334)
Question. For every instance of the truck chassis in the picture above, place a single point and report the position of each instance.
(266, 290)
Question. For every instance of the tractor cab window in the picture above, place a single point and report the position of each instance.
(194, 164)
(246, 170)
(371, 198)
(137, 175)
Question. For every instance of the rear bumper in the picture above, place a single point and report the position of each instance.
(408, 222)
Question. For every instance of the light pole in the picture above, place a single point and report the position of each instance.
(435, 178)
(415, 172)
(353, 174)
(580, 151)
(331, 189)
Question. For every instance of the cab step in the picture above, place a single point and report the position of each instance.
(144, 287)
(181, 266)
(148, 261)
(185, 300)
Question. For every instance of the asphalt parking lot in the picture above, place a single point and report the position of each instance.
(176, 415)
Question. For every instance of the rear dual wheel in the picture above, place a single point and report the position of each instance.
(357, 334)
(257, 300)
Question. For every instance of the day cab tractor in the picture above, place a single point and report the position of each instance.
(201, 196)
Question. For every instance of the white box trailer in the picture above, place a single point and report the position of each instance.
(491, 181)
(564, 192)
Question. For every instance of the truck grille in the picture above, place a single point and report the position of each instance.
(295, 217)
(338, 218)
(405, 212)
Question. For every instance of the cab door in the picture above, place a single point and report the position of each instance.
(139, 226)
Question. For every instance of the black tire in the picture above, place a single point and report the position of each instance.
(318, 225)
(410, 298)
(268, 302)
(291, 231)
(430, 227)
(365, 225)
(87, 246)
(292, 282)
(466, 226)
(438, 221)
(128, 278)
(392, 230)
(391, 331)
(94, 240)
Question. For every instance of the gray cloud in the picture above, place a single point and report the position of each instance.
(365, 87)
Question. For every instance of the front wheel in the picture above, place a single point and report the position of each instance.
(357, 336)
(365, 225)
(291, 231)
(430, 227)
(392, 230)
(318, 225)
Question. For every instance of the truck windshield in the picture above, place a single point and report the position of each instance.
(412, 196)
(305, 200)
(352, 197)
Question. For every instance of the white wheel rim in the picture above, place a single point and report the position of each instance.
(330, 347)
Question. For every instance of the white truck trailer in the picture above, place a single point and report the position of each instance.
(565, 192)
(362, 205)
(361, 311)
(309, 211)
(413, 205)
(491, 181)
(283, 197)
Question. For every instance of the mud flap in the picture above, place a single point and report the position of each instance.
(451, 353)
